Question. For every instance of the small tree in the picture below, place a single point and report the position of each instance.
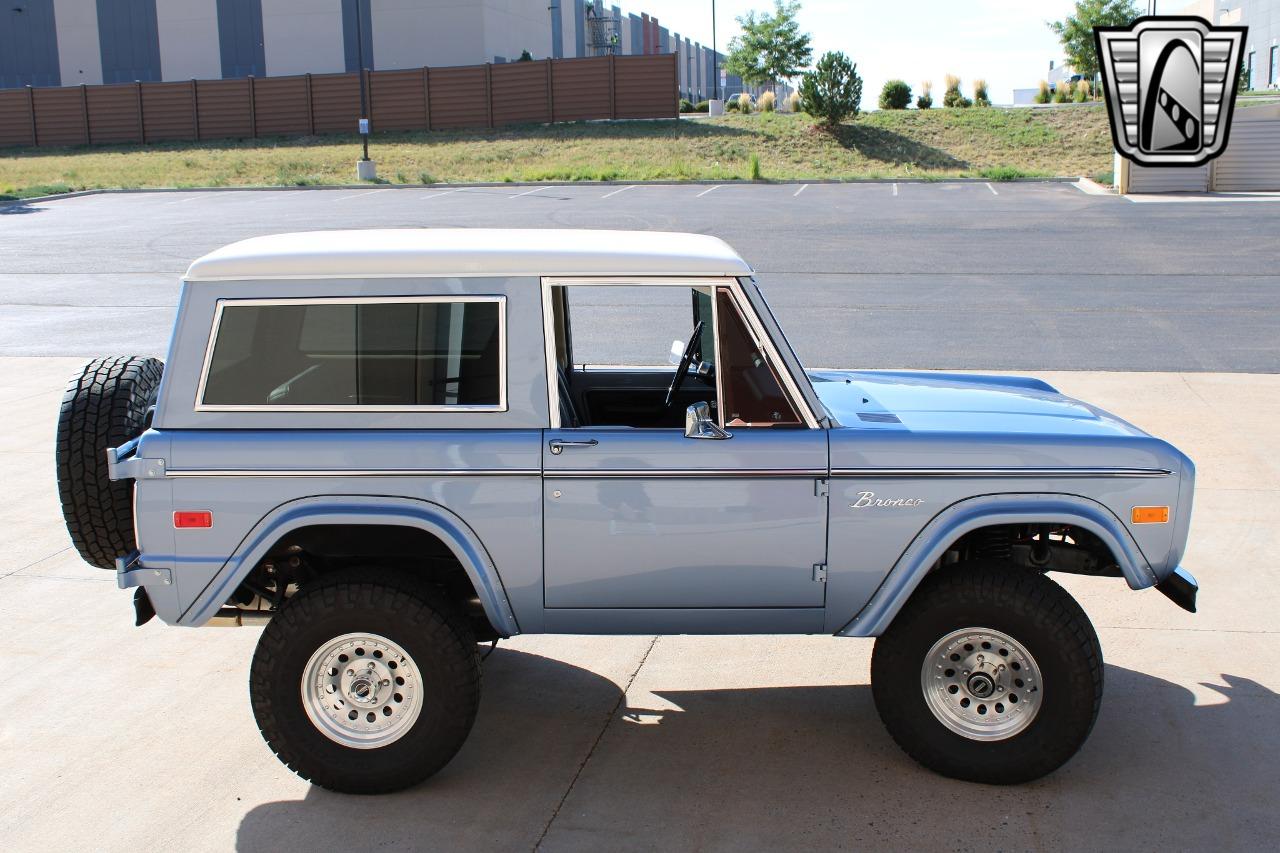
(896, 95)
(770, 48)
(1076, 30)
(525, 56)
(832, 91)
(925, 101)
(980, 97)
(1043, 96)
(952, 97)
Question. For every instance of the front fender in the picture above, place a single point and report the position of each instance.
(970, 514)
(355, 509)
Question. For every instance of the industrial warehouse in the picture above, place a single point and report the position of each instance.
(73, 42)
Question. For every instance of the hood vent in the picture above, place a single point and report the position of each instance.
(879, 418)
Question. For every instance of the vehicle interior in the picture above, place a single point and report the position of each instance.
(608, 338)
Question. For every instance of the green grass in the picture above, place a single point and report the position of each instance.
(996, 144)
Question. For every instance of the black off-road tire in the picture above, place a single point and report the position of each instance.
(105, 406)
(1026, 607)
(413, 615)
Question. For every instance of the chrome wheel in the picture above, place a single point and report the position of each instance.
(981, 684)
(362, 691)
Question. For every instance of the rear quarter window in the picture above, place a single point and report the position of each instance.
(378, 354)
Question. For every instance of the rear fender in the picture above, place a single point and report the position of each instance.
(356, 509)
(968, 515)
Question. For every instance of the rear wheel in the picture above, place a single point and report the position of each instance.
(990, 674)
(366, 683)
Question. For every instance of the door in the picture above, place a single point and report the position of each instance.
(647, 528)
(651, 519)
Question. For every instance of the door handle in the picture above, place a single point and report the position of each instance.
(558, 445)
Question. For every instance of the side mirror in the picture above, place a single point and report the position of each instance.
(677, 352)
(698, 423)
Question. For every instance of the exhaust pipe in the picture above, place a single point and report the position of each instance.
(234, 617)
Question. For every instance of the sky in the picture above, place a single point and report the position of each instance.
(1005, 42)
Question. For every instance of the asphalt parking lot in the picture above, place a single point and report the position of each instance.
(1029, 276)
(121, 738)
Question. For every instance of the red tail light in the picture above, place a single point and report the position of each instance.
(192, 518)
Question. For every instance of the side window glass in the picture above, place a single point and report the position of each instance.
(753, 396)
(370, 354)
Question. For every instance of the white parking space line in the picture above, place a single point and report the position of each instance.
(895, 190)
(361, 194)
(531, 192)
(184, 200)
(437, 195)
(615, 192)
(993, 189)
(711, 190)
(803, 187)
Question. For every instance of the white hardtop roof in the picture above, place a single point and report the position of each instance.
(415, 252)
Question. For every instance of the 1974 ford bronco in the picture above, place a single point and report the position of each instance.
(390, 446)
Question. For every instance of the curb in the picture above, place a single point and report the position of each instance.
(486, 184)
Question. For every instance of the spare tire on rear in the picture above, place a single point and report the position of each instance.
(108, 404)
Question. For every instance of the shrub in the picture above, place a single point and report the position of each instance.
(768, 102)
(744, 103)
(1043, 96)
(754, 165)
(952, 97)
(1082, 92)
(685, 106)
(525, 56)
(1062, 95)
(702, 107)
(896, 95)
(925, 101)
(731, 105)
(980, 97)
(793, 102)
(832, 91)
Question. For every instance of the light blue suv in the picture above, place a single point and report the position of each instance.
(390, 446)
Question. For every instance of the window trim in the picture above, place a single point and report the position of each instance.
(501, 406)
(744, 306)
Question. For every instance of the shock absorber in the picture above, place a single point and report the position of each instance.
(994, 543)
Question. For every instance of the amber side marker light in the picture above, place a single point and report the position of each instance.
(1150, 514)
(202, 518)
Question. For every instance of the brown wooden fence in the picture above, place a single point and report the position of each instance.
(473, 96)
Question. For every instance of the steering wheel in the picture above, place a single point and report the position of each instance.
(685, 360)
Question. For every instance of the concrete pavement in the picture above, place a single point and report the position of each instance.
(121, 738)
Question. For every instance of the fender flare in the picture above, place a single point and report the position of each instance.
(972, 513)
(360, 509)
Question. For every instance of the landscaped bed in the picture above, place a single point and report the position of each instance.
(939, 143)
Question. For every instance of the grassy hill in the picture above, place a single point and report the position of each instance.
(994, 143)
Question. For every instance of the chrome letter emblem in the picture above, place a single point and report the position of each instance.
(866, 499)
(1170, 85)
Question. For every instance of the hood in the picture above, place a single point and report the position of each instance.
(958, 403)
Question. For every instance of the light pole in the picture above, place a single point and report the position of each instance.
(366, 170)
(715, 55)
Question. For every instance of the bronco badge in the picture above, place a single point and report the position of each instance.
(1170, 88)
(866, 499)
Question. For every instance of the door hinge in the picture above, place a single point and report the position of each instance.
(821, 488)
(820, 572)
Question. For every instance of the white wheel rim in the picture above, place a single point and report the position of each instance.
(982, 684)
(362, 691)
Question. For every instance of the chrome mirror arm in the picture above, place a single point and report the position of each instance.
(698, 424)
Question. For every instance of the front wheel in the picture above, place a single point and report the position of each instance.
(366, 683)
(990, 674)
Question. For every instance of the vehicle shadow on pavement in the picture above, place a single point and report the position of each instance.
(785, 767)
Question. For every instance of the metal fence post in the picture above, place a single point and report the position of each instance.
(253, 111)
(142, 116)
(311, 108)
(488, 93)
(84, 110)
(613, 87)
(551, 92)
(195, 107)
(426, 95)
(31, 110)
